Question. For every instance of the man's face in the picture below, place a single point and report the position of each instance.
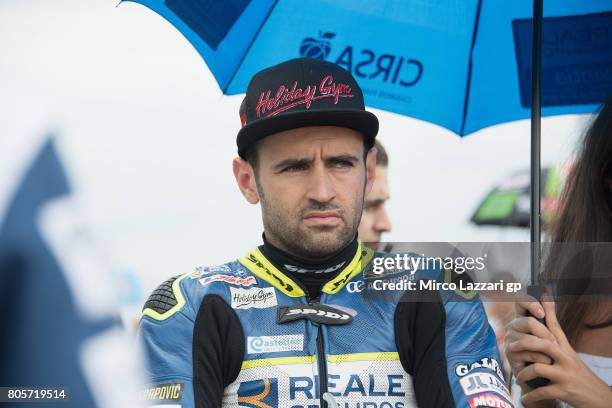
(375, 219)
(311, 183)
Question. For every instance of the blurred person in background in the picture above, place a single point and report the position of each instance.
(58, 319)
(574, 348)
(375, 219)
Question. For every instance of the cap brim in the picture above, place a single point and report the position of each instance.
(359, 120)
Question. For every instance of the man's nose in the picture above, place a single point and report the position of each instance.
(321, 186)
(383, 222)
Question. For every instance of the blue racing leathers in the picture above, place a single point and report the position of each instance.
(244, 334)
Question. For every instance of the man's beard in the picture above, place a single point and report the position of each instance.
(309, 242)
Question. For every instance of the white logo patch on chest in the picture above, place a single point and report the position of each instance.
(258, 298)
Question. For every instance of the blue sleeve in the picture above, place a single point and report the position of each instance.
(474, 366)
(166, 332)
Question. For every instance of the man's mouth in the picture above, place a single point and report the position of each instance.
(323, 217)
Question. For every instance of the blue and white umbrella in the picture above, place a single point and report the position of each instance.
(461, 64)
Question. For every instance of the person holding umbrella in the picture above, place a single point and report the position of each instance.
(573, 349)
(280, 327)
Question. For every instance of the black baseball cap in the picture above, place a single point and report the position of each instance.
(298, 93)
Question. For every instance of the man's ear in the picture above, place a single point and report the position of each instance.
(370, 165)
(245, 178)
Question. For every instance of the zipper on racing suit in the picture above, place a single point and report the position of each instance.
(322, 366)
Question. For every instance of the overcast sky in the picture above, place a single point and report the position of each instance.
(149, 139)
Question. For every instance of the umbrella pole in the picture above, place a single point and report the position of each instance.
(535, 216)
(534, 288)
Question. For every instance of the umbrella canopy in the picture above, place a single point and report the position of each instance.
(461, 64)
(508, 204)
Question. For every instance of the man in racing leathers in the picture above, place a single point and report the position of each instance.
(291, 324)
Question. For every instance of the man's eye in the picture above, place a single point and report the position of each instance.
(295, 168)
(343, 163)
(372, 206)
